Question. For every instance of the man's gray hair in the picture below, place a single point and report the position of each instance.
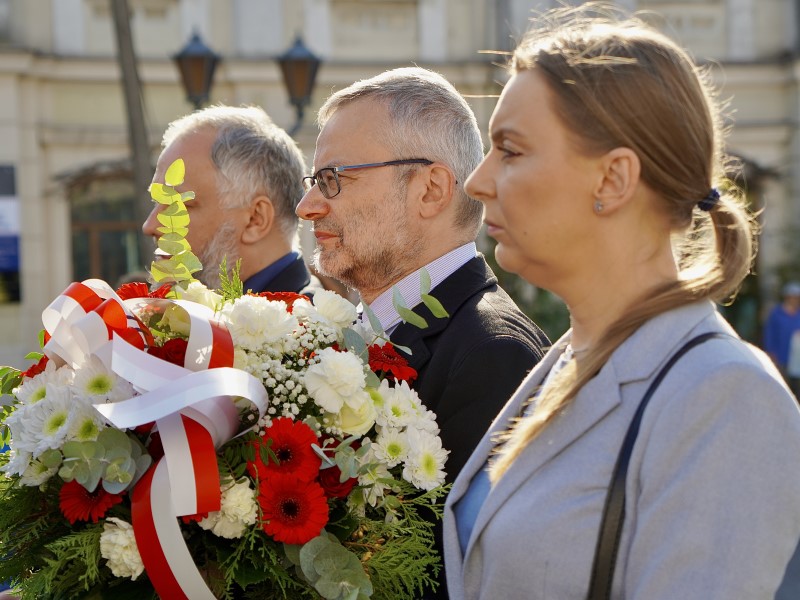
(429, 119)
(253, 157)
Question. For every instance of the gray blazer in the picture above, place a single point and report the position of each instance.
(713, 487)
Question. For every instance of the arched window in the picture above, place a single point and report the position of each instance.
(104, 226)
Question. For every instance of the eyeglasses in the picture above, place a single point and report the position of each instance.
(328, 178)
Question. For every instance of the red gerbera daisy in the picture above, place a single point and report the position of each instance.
(138, 289)
(291, 443)
(294, 511)
(385, 359)
(289, 297)
(79, 504)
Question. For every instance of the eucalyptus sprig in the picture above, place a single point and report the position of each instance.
(174, 219)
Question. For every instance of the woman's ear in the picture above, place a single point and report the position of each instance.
(439, 190)
(261, 220)
(621, 170)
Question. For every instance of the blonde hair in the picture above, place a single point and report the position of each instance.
(616, 82)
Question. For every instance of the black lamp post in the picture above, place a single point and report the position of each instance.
(196, 63)
(299, 67)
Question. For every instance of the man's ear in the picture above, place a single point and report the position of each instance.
(619, 179)
(439, 189)
(261, 220)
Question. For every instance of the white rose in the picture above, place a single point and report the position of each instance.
(335, 309)
(118, 547)
(359, 419)
(197, 292)
(337, 378)
(177, 319)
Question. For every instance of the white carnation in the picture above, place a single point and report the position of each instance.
(336, 379)
(118, 547)
(255, 321)
(237, 512)
(424, 466)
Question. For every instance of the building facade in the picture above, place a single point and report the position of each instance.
(67, 200)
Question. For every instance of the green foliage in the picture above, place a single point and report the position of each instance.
(9, 379)
(74, 564)
(335, 572)
(231, 286)
(174, 219)
(115, 458)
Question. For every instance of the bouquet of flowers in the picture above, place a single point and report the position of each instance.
(192, 443)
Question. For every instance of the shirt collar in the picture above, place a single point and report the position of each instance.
(409, 287)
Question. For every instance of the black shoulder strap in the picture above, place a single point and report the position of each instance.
(605, 557)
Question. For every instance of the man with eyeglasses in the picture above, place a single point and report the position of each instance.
(387, 199)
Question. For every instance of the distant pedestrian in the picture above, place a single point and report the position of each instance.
(782, 335)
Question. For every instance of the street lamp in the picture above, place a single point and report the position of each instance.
(196, 63)
(299, 67)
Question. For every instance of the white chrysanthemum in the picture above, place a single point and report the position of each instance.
(425, 420)
(20, 460)
(34, 388)
(424, 466)
(118, 547)
(93, 380)
(255, 321)
(335, 380)
(391, 446)
(85, 422)
(399, 405)
(372, 478)
(335, 309)
(237, 512)
(357, 416)
(47, 422)
(36, 474)
(197, 292)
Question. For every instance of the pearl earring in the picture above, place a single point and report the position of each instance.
(598, 206)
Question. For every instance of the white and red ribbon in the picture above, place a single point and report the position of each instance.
(191, 406)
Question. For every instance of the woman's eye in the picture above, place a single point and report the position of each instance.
(506, 152)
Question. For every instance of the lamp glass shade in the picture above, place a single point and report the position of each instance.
(299, 67)
(196, 63)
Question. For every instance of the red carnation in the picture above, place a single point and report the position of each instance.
(291, 444)
(289, 297)
(79, 504)
(138, 289)
(36, 368)
(385, 359)
(294, 511)
(173, 350)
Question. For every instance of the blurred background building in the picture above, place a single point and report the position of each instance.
(69, 205)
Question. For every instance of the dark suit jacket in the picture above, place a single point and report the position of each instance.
(294, 278)
(470, 363)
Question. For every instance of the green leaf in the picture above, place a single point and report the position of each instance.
(409, 316)
(177, 210)
(34, 356)
(50, 458)
(163, 194)
(372, 380)
(397, 299)
(190, 261)
(187, 196)
(175, 173)
(373, 319)
(354, 342)
(434, 306)
(424, 281)
(173, 248)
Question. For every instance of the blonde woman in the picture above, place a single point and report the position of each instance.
(605, 184)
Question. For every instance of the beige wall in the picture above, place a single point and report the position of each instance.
(61, 108)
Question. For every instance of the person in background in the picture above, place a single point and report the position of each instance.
(782, 323)
(247, 176)
(387, 200)
(605, 184)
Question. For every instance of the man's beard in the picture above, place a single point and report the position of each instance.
(221, 245)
